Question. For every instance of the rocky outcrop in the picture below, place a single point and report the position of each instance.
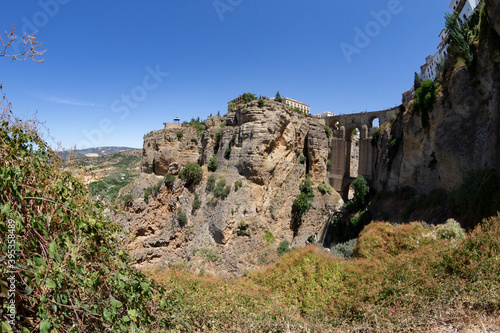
(258, 151)
(464, 126)
(166, 150)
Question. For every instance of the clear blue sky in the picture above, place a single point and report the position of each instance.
(100, 52)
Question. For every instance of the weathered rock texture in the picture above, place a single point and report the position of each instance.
(227, 236)
(463, 133)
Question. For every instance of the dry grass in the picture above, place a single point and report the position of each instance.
(408, 278)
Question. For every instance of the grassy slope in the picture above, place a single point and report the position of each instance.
(406, 278)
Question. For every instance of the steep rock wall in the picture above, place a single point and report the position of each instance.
(266, 144)
(463, 134)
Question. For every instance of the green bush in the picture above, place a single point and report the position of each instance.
(424, 100)
(227, 153)
(301, 204)
(242, 230)
(344, 250)
(297, 152)
(181, 217)
(269, 237)
(127, 199)
(328, 131)
(218, 136)
(237, 185)
(361, 191)
(221, 190)
(194, 140)
(67, 260)
(179, 134)
(209, 255)
(196, 203)
(211, 182)
(328, 165)
(261, 103)
(169, 180)
(323, 188)
(212, 164)
(198, 125)
(192, 173)
(302, 159)
(283, 248)
(248, 97)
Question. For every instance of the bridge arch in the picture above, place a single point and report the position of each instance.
(341, 149)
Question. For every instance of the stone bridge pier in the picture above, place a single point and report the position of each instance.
(341, 143)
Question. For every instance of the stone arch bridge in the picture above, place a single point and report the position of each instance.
(340, 145)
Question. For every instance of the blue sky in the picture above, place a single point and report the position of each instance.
(115, 70)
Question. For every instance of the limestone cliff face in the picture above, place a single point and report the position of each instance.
(166, 150)
(463, 132)
(261, 147)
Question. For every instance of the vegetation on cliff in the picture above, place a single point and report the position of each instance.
(62, 266)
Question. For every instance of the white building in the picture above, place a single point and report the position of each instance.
(464, 7)
(433, 63)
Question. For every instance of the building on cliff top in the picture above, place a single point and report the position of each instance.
(286, 100)
(433, 63)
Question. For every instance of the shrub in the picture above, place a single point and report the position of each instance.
(450, 230)
(221, 190)
(179, 134)
(194, 140)
(198, 125)
(303, 159)
(269, 237)
(328, 131)
(248, 97)
(242, 229)
(181, 217)
(211, 183)
(301, 204)
(361, 191)
(218, 136)
(344, 250)
(127, 199)
(297, 152)
(323, 188)
(283, 248)
(328, 165)
(227, 153)
(237, 185)
(169, 180)
(393, 150)
(261, 103)
(209, 255)
(196, 203)
(212, 164)
(192, 173)
(425, 96)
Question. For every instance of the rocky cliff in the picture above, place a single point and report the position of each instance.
(464, 124)
(267, 150)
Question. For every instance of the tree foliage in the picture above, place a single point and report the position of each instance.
(278, 97)
(248, 97)
(192, 173)
(70, 271)
(425, 97)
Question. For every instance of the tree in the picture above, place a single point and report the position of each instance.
(416, 81)
(212, 164)
(248, 97)
(31, 48)
(278, 97)
(460, 36)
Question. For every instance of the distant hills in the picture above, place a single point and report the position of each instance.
(94, 152)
